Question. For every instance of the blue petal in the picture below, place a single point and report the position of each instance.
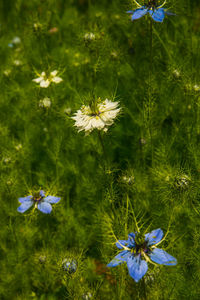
(130, 11)
(131, 239)
(25, 206)
(154, 237)
(131, 235)
(138, 13)
(121, 243)
(157, 14)
(137, 267)
(24, 199)
(45, 207)
(52, 199)
(159, 256)
(42, 193)
(119, 259)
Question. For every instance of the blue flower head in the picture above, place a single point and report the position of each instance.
(140, 249)
(155, 11)
(69, 265)
(41, 202)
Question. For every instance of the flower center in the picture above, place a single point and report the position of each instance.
(140, 244)
(95, 114)
(152, 4)
(37, 197)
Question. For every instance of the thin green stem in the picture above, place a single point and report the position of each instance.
(103, 149)
(150, 85)
(144, 289)
(162, 43)
(126, 220)
(134, 217)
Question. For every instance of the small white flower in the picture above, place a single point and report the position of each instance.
(87, 296)
(7, 72)
(176, 73)
(196, 88)
(17, 62)
(16, 40)
(89, 36)
(7, 160)
(45, 80)
(45, 103)
(100, 118)
(128, 179)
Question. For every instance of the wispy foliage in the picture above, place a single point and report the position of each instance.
(142, 174)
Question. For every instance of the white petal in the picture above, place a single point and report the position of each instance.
(44, 83)
(54, 73)
(57, 79)
(98, 123)
(38, 80)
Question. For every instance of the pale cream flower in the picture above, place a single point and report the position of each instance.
(196, 88)
(45, 103)
(17, 62)
(99, 118)
(89, 36)
(16, 40)
(7, 72)
(45, 80)
(176, 73)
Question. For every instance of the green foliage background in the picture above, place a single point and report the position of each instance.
(154, 143)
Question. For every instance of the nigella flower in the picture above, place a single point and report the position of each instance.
(98, 115)
(156, 12)
(41, 202)
(45, 80)
(138, 250)
(69, 265)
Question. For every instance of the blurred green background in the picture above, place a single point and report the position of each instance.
(153, 147)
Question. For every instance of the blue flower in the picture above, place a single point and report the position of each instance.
(69, 265)
(156, 12)
(138, 250)
(41, 202)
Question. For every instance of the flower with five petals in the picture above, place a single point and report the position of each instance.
(140, 249)
(42, 202)
(45, 80)
(156, 12)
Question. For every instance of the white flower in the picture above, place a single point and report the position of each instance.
(196, 88)
(103, 116)
(176, 73)
(45, 80)
(128, 179)
(7, 72)
(17, 62)
(89, 36)
(45, 103)
(7, 160)
(16, 40)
